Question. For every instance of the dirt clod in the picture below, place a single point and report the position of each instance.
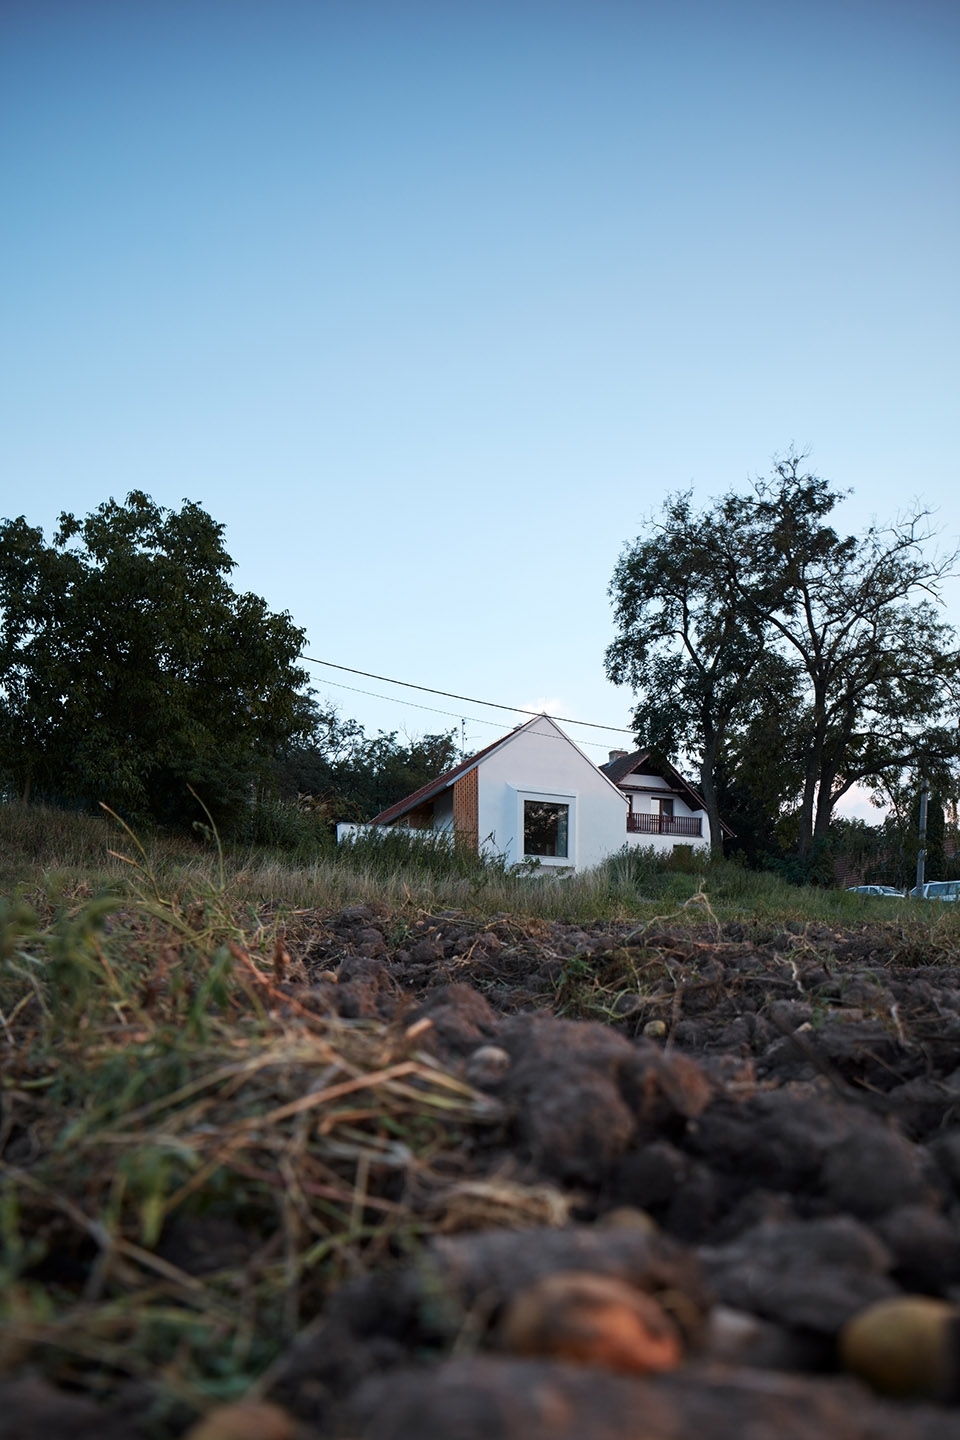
(591, 1320)
(415, 1139)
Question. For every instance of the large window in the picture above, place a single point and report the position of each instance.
(545, 828)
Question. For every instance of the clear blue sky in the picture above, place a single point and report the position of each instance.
(432, 301)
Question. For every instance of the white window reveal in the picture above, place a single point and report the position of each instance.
(546, 829)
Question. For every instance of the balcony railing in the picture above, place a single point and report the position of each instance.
(664, 824)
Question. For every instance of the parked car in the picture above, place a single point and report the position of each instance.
(874, 890)
(938, 890)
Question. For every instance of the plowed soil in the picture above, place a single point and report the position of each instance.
(761, 1134)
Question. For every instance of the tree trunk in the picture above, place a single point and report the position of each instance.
(821, 827)
(709, 791)
(805, 837)
(813, 766)
(830, 762)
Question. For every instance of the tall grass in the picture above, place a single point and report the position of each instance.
(158, 1075)
(50, 855)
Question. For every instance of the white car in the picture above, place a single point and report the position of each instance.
(938, 890)
(887, 890)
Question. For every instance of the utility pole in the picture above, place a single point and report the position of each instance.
(922, 852)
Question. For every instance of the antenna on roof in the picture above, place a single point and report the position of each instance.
(463, 738)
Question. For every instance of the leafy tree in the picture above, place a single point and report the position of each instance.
(863, 850)
(903, 828)
(688, 644)
(935, 863)
(856, 619)
(130, 669)
(754, 619)
(759, 777)
(360, 775)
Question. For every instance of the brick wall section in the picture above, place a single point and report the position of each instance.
(466, 823)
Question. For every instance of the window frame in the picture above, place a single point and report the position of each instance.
(548, 797)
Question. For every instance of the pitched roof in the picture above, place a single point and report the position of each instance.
(618, 770)
(433, 787)
(615, 770)
(442, 782)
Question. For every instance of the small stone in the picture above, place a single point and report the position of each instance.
(655, 1029)
(591, 1319)
(487, 1066)
(246, 1421)
(628, 1217)
(905, 1346)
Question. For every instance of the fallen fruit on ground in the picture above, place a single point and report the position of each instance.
(906, 1346)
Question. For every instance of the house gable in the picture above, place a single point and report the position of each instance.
(487, 800)
(623, 768)
(629, 771)
(543, 767)
(535, 794)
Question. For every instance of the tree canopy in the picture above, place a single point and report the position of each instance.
(357, 774)
(801, 660)
(695, 654)
(857, 618)
(130, 669)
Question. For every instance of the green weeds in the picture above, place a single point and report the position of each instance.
(160, 1084)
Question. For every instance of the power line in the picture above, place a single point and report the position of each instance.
(454, 714)
(450, 695)
(393, 700)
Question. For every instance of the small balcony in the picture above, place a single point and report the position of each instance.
(664, 824)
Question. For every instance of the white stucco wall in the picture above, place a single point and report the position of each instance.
(667, 842)
(540, 763)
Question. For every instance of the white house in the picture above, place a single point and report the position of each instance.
(665, 810)
(534, 795)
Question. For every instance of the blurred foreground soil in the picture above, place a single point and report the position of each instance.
(761, 1140)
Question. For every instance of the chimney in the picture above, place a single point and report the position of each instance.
(617, 755)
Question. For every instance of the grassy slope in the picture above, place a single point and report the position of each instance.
(50, 856)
